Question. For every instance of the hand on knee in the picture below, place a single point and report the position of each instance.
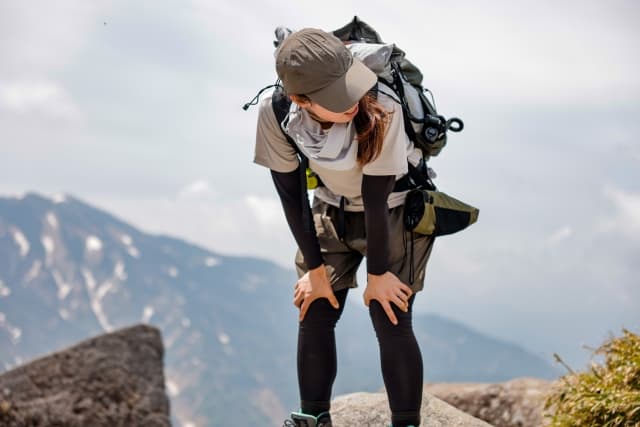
(390, 292)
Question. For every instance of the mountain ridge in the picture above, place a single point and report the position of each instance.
(228, 321)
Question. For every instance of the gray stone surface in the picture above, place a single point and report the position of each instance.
(112, 380)
(372, 410)
(515, 403)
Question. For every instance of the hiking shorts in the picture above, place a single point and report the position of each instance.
(342, 258)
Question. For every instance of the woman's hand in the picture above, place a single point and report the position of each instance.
(387, 288)
(313, 285)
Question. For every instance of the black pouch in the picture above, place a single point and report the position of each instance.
(436, 213)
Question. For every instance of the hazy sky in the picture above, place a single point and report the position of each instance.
(136, 107)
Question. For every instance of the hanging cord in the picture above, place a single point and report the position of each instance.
(255, 99)
(404, 258)
(341, 220)
(411, 267)
(433, 100)
(404, 244)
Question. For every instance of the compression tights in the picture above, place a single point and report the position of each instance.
(401, 360)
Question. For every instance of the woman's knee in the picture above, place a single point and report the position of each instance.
(322, 314)
(382, 324)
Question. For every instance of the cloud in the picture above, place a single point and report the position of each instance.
(474, 51)
(38, 97)
(561, 234)
(626, 218)
(199, 189)
(267, 210)
(41, 37)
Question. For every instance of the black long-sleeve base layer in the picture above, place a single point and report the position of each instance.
(375, 191)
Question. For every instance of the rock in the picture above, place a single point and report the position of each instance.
(372, 410)
(515, 403)
(112, 380)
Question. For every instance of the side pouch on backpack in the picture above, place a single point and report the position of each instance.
(436, 213)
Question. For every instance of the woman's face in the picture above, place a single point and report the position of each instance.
(324, 114)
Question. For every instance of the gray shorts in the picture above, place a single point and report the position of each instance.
(342, 259)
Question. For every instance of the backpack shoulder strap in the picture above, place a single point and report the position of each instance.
(281, 104)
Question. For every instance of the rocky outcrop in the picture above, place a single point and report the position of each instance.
(112, 380)
(372, 410)
(515, 403)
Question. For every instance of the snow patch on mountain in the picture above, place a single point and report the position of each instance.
(128, 242)
(49, 247)
(224, 338)
(14, 332)
(173, 271)
(21, 241)
(172, 388)
(96, 294)
(5, 291)
(147, 313)
(134, 252)
(119, 271)
(59, 198)
(89, 280)
(52, 220)
(93, 244)
(63, 287)
(211, 261)
(34, 271)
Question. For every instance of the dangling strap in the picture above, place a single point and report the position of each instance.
(411, 260)
(341, 220)
(404, 258)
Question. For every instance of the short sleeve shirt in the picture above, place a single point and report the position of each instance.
(272, 150)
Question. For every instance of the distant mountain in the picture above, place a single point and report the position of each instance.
(69, 271)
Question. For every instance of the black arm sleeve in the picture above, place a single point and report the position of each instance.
(375, 191)
(288, 188)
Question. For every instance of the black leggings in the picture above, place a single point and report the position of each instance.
(401, 360)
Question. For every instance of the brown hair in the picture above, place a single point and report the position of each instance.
(371, 124)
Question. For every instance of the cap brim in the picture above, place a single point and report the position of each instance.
(345, 92)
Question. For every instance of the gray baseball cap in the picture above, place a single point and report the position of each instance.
(317, 64)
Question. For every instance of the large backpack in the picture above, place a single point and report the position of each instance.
(423, 125)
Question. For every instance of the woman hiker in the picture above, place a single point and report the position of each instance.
(355, 141)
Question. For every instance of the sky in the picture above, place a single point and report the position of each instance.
(135, 107)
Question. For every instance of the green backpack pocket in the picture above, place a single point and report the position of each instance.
(436, 213)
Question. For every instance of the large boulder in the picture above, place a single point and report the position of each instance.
(515, 403)
(372, 410)
(112, 380)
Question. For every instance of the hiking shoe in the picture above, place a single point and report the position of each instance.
(298, 419)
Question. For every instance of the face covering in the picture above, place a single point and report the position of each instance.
(335, 149)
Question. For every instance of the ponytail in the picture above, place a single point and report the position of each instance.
(371, 124)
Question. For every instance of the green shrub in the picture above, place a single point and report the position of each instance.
(607, 395)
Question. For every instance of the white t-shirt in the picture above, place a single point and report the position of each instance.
(272, 150)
